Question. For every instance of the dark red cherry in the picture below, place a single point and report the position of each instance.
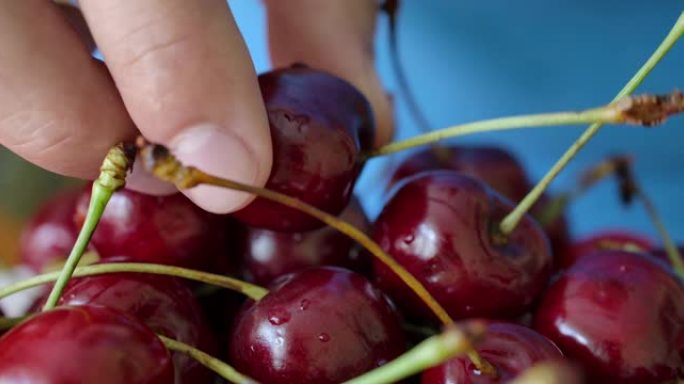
(604, 241)
(156, 229)
(319, 124)
(48, 237)
(621, 315)
(163, 303)
(441, 226)
(321, 325)
(510, 348)
(498, 168)
(269, 254)
(495, 166)
(85, 344)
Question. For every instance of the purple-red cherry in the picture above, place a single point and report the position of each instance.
(48, 237)
(319, 124)
(604, 241)
(442, 226)
(510, 348)
(322, 325)
(621, 315)
(156, 229)
(269, 254)
(85, 344)
(163, 303)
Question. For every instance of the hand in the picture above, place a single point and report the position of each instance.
(178, 71)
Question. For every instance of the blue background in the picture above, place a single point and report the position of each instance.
(469, 60)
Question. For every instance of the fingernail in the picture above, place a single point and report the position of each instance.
(142, 181)
(219, 152)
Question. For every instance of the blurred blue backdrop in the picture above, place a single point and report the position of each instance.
(469, 60)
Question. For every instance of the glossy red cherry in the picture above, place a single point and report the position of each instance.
(319, 124)
(510, 348)
(47, 239)
(85, 344)
(498, 168)
(163, 303)
(441, 226)
(604, 241)
(156, 229)
(322, 325)
(269, 254)
(620, 314)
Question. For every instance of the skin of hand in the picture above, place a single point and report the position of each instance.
(176, 71)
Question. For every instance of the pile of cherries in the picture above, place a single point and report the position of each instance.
(611, 306)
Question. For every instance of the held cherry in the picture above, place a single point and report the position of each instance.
(319, 124)
(268, 254)
(621, 315)
(164, 304)
(156, 229)
(85, 344)
(511, 348)
(442, 227)
(321, 325)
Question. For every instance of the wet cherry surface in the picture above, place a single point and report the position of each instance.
(269, 254)
(322, 325)
(84, 344)
(319, 124)
(621, 314)
(156, 229)
(510, 348)
(495, 166)
(439, 226)
(604, 241)
(164, 304)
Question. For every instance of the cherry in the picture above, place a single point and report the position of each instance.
(48, 237)
(269, 254)
(495, 166)
(84, 344)
(321, 325)
(511, 348)
(442, 227)
(163, 303)
(621, 314)
(602, 241)
(155, 229)
(319, 124)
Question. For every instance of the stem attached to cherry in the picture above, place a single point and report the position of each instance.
(161, 163)
(252, 291)
(219, 367)
(511, 221)
(428, 353)
(112, 177)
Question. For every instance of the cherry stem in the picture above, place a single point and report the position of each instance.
(252, 291)
(589, 178)
(219, 367)
(430, 352)
(511, 221)
(9, 322)
(645, 110)
(160, 162)
(112, 177)
(391, 8)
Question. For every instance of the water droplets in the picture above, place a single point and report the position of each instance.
(278, 316)
(324, 337)
(304, 304)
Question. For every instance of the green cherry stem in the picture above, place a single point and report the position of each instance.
(9, 322)
(509, 223)
(219, 367)
(252, 291)
(428, 353)
(112, 177)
